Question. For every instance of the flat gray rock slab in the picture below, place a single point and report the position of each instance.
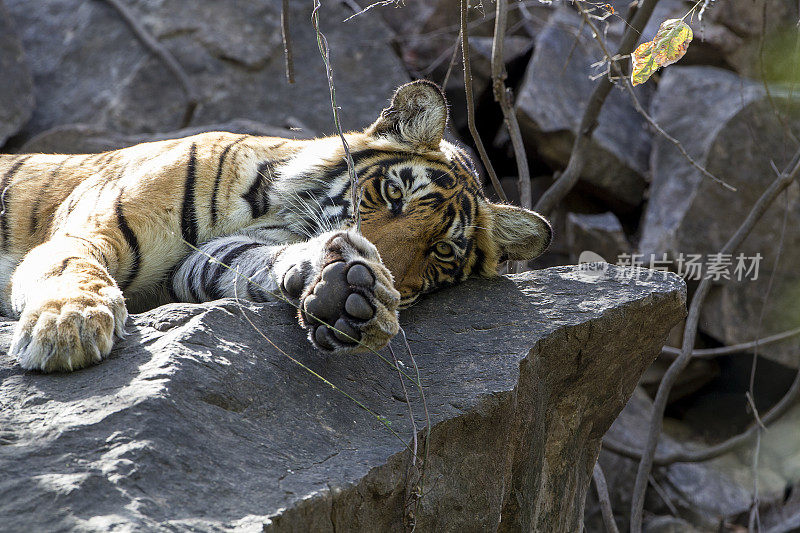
(198, 422)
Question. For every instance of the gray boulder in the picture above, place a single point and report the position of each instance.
(232, 56)
(16, 84)
(551, 102)
(707, 493)
(197, 422)
(727, 124)
(601, 233)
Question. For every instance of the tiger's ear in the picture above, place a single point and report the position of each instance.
(519, 234)
(417, 116)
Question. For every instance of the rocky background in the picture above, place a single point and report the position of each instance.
(74, 77)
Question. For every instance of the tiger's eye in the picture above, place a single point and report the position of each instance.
(444, 249)
(393, 192)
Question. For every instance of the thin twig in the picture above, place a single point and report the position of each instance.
(689, 335)
(754, 524)
(358, 11)
(502, 97)
(602, 496)
(577, 160)
(287, 42)
(767, 292)
(498, 189)
(638, 106)
(452, 63)
(755, 517)
(166, 57)
(707, 353)
(663, 495)
(324, 50)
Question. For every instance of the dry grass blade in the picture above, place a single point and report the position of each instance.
(379, 418)
(282, 298)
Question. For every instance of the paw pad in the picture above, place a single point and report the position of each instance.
(341, 298)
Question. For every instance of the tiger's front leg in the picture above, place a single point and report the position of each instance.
(346, 296)
(69, 307)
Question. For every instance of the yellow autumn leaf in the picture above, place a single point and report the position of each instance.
(668, 46)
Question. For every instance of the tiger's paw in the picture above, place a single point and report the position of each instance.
(65, 333)
(354, 293)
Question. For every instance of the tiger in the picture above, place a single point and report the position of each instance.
(86, 238)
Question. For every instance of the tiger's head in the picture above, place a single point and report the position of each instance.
(422, 203)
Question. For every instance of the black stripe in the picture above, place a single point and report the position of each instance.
(188, 215)
(5, 199)
(218, 177)
(104, 161)
(480, 262)
(463, 264)
(432, 199)
(211, 280)
(64, 264)
(34, 221)
(406, 176)
(328, 173)
(258, 194)
(131, 240)
(171, 290)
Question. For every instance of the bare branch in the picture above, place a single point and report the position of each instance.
(166, 57)
(689, 335)
(735, 348)
(471, 105)
(638, 106)
(602, 496)
(577, 159)
(501, 96)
